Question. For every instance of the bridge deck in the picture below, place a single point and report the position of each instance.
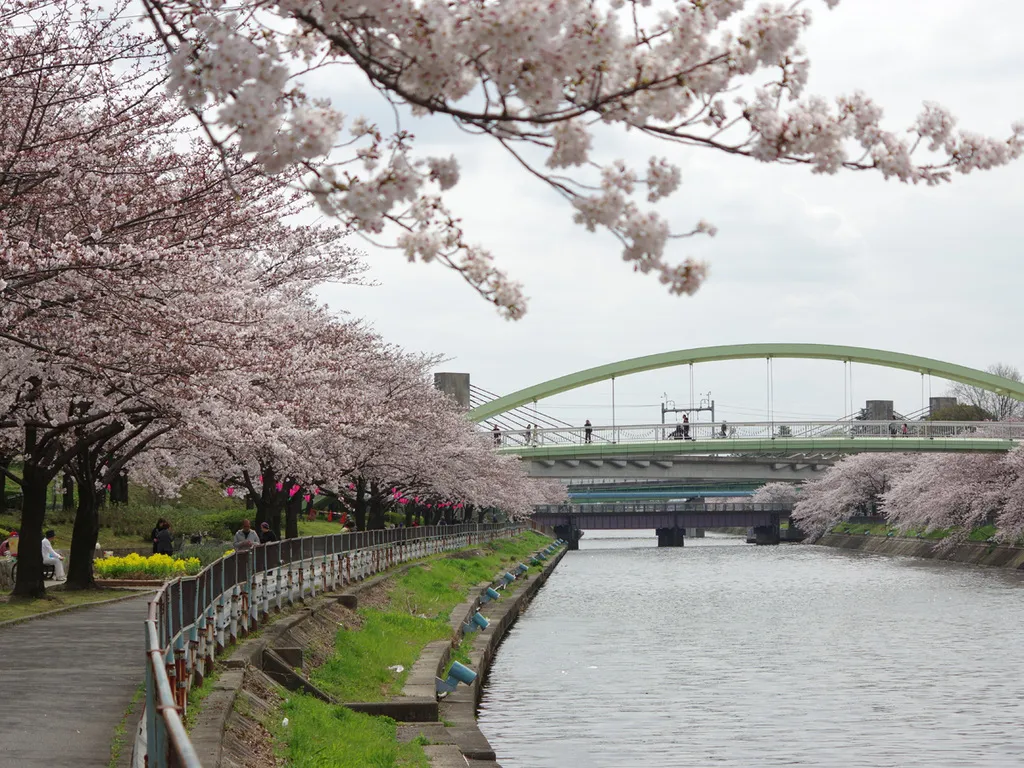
(66, 681)
(780, 445)
(620, 516)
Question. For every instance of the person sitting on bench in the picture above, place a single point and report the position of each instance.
(52, 557)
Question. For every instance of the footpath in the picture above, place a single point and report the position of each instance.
(66, 681)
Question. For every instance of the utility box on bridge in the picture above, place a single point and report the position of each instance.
(455, 385)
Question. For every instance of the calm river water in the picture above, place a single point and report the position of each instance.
(724, 654)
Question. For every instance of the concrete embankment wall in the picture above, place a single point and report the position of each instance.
(972, 552)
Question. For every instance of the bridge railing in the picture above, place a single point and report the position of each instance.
(192, 619)
(760, 430)
(619, 508)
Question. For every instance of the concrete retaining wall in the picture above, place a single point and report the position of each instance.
(972, 552)
(460, 707)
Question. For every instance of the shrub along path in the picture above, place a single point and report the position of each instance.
(65, 682)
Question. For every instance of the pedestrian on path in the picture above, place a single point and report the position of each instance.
(52, 557)
(588, 431)
(245, 537)
(164, 544)
(686, 427)
(156, 531)
(497, 436)
(266, 534)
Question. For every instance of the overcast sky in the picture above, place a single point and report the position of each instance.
(845, 259)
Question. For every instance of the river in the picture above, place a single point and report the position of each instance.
(727, 655)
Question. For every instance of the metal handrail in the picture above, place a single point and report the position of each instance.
(823, 431)
(660, 507)
(193, 618)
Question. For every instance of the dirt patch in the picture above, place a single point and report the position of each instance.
(316, 635)
(376, 596)
(247, 741)
(468, 554)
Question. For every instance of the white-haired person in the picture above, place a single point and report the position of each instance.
(52, 557)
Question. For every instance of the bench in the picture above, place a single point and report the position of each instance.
(49, 571)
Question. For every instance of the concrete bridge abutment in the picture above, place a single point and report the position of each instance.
(570, 534)
(766, 534)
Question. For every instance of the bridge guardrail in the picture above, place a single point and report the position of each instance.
(619, 508)
(761, 430)
(192, 618)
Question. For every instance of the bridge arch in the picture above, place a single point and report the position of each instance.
(950, 371)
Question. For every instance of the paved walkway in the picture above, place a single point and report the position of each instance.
(65, 682)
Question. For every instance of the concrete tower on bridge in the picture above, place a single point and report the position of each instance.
(455, 385)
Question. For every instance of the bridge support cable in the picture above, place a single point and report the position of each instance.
(516, 418)
(613, 410)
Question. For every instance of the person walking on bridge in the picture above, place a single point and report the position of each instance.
(497, 436)
(686, 427)
(588, 431)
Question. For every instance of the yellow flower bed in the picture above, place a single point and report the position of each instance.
(135, 566)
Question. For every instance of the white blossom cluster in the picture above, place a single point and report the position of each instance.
(537, 74)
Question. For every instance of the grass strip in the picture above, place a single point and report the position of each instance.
(418, 609)
(320, 734)
(419, 606)
(117, 743)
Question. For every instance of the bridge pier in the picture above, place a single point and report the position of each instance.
(570, 534)
(766, 534)
(671, 537)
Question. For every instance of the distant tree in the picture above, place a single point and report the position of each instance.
(1001, 407)
(784, 431)
(951, 490)
(775, 493)
(854, 486)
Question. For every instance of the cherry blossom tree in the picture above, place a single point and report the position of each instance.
(540, 79)
(948, 490)
(776, 493)
(853, 486)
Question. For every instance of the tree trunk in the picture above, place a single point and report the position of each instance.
(68, 487)
(410, 513)
(33, 513)
(84, 538)
(5, 462)
(359, 504)
(265, 504)
(376, 508)
(291, 521)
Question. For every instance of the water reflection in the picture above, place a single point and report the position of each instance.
(726, 654)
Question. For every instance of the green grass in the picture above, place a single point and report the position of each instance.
(196, 696)
(984, 533)
(107, 538)
(55, 598)
(420, 603)
(320, 734)
(358, 670)
(318, 527)
(121, 731)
